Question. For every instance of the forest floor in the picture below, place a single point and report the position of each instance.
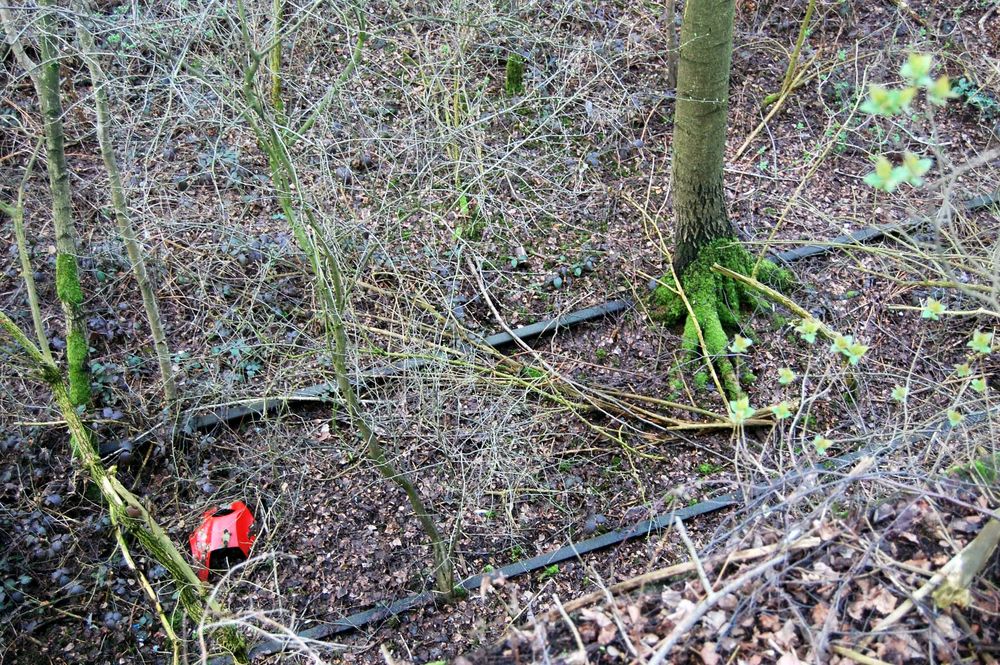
(440, 188)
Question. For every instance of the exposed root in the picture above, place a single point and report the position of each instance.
(715, 301)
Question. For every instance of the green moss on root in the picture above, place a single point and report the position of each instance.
(76, 361)
(67, 280)
(715, 301)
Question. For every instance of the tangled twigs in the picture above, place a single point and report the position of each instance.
(609, 402)
(682, 628)
(685, 567)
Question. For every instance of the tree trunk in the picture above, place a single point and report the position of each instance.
(700, 127)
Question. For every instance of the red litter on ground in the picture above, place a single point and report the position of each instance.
(223, 538)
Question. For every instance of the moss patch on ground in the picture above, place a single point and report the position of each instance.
(715, 302)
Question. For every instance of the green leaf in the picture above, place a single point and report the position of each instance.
(740, 344)
(821, 443)
(979, 385)
(782, 411)
(741, 410)
(785, 376)
(933, 309)
(899, 393)
(939, 92)
(963, 370)
(955, 418)
(982, 342)
(879, 101)
(917, 69)
(885, 177)
(887, 102)
(855, 352)
(841, 343)
(807, 329)
(914, 168)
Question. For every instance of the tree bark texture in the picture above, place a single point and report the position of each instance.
(706, 52)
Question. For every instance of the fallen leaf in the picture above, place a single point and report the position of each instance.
(708, 654)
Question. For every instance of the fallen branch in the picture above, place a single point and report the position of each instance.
(954, 589)
(954, 578)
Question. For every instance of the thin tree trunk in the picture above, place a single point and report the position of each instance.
(670, 18)
(277, 103)
(700, 127)
(135, 250)
(16, 214)
(45, 76)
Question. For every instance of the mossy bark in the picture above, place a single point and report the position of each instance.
(68, 289)
(514, 78)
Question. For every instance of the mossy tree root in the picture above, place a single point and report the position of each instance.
(715, 302)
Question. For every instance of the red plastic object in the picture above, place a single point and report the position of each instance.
(222, 538)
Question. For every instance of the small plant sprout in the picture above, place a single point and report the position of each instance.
(782, 410)
(807, 330)
(550, 571)
(884, 177)
(955, 418)
(917, 69)
(821, 443)
(941, 91)
(841, 343)
(785, 376)
(846, 346)
(982, 342)
(979, 385)
(900, 393)
(963, 370)
(740, 344)
(887, 102)
(933, 309)
(855, 352)
(914, 168)
(741, 410)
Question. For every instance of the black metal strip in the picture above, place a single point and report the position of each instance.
(571, 551)
(575, 550)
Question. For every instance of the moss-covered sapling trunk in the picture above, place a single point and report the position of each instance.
(275, 140)
(45, 77)
(703, 233)
(125, 509)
